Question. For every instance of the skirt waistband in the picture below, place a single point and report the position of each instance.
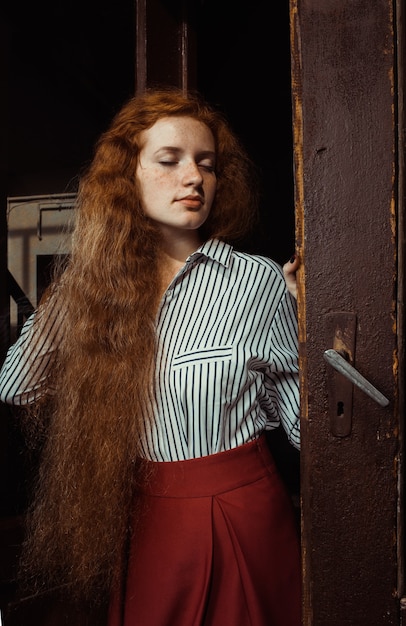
(209, 475)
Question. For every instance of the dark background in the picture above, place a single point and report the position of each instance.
(68, 67)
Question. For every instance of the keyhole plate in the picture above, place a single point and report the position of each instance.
(340, 335)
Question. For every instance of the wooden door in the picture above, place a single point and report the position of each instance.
(347, 77)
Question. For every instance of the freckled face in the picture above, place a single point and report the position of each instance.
(176, 173)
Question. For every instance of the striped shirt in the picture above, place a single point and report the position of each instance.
(227, 357)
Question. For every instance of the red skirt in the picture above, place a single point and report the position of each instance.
(217, 544)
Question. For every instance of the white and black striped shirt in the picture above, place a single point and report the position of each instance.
(227, 361)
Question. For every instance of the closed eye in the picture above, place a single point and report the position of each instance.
(207, 168)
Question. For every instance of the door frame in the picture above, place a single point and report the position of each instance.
(348, 120)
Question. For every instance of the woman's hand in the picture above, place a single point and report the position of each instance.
(289, 272)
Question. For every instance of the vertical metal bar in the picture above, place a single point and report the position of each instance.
(140, 46)
(184, 52)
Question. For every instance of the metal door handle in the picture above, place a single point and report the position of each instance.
(341, 365)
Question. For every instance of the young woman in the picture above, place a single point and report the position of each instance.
(153, 367)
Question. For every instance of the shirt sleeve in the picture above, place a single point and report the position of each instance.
(24, 376)
(284, 372)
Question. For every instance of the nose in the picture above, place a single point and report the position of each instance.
(192, 174)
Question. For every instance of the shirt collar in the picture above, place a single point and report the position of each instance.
(214, 249)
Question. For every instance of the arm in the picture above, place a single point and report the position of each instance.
(284, 373)
(24, 376)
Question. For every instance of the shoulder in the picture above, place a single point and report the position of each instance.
(243, 265)
(259, 277)
(259, 262)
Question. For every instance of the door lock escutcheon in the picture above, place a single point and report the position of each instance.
(340, 329)
(340, 336)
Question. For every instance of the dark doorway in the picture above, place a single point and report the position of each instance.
(66, 68)
(244, 67)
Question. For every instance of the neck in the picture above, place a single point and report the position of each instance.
(175, 250)
(173, 255)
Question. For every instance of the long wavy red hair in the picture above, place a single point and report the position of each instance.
(78, 523)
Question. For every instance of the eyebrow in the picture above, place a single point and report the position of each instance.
(203, 154)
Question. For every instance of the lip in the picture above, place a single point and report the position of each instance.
(192, 202)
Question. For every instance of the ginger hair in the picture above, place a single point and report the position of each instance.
(78, 524)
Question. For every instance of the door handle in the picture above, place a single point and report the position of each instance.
(334, 358)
